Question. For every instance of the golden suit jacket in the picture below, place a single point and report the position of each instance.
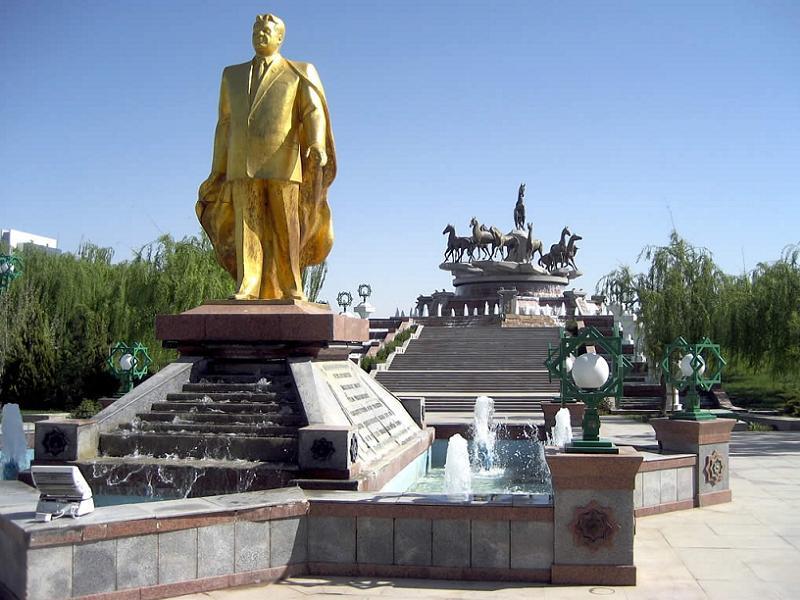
(264, 140)
(268, 140)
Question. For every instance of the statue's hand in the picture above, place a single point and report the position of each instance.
(317, 155)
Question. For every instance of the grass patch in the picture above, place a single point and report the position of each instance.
(761, 391)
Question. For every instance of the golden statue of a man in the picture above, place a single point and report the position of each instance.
(264, 206)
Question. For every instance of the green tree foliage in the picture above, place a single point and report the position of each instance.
(760, 319)
(755, 316)
(313, 280)
(677, 296)
(59, 319)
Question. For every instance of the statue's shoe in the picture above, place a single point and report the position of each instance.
(242, 296)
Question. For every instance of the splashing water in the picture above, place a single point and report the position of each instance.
(457, 469)
(15, 448)
(484, 433)
(562, 430)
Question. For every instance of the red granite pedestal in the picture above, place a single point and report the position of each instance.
(710, 441)
(594, 517)
(261, 329)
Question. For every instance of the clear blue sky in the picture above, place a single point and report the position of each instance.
(614, 113)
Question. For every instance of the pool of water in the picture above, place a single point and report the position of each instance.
(518, 469)
(491, 482)
(29, 457)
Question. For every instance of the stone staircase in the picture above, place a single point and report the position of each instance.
(451, 366)
(234, 429)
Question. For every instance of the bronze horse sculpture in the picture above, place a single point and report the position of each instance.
(457, 245)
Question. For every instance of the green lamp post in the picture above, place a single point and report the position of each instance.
(344, 300)
(692, 361)
(10, 269)
(589, 378)
(564, 367)
(129, 363)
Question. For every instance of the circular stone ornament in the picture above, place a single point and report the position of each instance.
(590, 371)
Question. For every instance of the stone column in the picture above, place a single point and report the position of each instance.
(508, 301)
(710, 441)
(594, 518)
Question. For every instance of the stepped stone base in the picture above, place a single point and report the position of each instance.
(260, 328)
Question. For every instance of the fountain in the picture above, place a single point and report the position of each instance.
(457, 471)
(15, 449)
(562, 430)
(484, 433)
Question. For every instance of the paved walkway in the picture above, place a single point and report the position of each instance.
(747, 549)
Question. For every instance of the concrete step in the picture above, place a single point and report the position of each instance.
(220, 447)
(259, 429)
(232, 397)
(265, 368)
(265, 408)
(640, 403)
(398, 381)
(467, 405)
(642, 389)
(182, 478)
(211, 388)
(231, 418)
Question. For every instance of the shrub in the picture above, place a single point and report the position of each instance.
(86, 409)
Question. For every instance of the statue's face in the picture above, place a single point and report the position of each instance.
(267, 36)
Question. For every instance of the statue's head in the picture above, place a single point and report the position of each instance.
(268, 34)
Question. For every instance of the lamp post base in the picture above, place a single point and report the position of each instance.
(591, 447)
(693, 415)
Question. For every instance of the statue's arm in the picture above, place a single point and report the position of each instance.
(219, 164)
(312, 114)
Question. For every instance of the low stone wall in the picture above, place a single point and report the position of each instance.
(163, 549)
(502, 539)
(664, 484)
(152, 550)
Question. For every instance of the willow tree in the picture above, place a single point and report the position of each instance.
(58, 320)
(760, 320)
(677, 295)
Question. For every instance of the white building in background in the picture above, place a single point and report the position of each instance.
(19, 239)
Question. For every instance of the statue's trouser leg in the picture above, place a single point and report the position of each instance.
(250, 223)
(282, 277)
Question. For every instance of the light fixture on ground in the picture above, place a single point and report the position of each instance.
(62, 492)
(589, 378)
(688, 367)
(129, 363)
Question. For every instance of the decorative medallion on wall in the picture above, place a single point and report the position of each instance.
(593, 526)
(322, 449)
(715, 468)
(353, 448)
(55, 442)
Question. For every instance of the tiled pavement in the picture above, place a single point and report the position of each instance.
(747, 549)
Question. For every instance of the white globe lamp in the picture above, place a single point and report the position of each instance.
(686, 365)
(590, 371)
(126, 362)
